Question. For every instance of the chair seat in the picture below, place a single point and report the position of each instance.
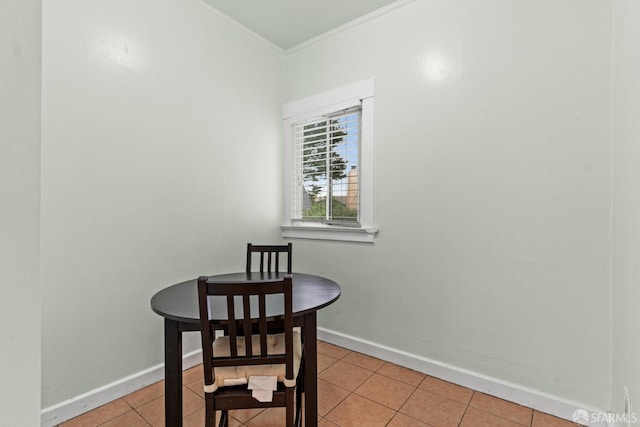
(236, 375)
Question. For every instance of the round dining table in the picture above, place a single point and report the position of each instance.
(178, 304)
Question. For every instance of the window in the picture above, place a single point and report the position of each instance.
(325, 168)
(329, 165)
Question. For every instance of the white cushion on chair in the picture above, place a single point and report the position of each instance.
(233, 375)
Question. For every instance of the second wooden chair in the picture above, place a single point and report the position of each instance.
(269, 257)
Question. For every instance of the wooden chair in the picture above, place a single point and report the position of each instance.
(269, 252)
(236, 357)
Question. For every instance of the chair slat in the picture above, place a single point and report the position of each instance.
(231, 314)
(246, 326)
(263, 325)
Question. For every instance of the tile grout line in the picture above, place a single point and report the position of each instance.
(347, 357)
(466, 408)
(374, 372)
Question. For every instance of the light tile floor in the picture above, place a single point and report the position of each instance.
(353, 390)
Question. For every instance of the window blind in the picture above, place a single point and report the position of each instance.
(325, 173)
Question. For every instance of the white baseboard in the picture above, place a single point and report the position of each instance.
(78, 405)
(534, 399)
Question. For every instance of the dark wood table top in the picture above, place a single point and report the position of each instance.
(180, 302)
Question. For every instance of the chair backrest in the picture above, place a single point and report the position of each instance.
(241, 298)
(272, 255)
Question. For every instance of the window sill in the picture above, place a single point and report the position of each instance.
(330, 232)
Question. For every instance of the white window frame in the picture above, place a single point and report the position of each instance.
(361, 93)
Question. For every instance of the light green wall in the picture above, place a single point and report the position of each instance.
(161, 155)
(20, 45)
(160, 160)
(493, 189)
(626, 131)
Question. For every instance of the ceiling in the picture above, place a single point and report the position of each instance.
(287, 23)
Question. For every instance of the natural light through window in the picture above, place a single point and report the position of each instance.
(329, 165)
(325, 184)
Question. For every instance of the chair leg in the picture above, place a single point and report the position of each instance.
(290, 407)
(224, 419)
(298, 420)
(210, 410)
(301, 374)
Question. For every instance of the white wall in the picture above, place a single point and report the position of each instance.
(160, 160)
(493, 189)
(20, 212)
(626, 131)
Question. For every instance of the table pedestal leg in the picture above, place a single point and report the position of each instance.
(172, 374)
(310, 371)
